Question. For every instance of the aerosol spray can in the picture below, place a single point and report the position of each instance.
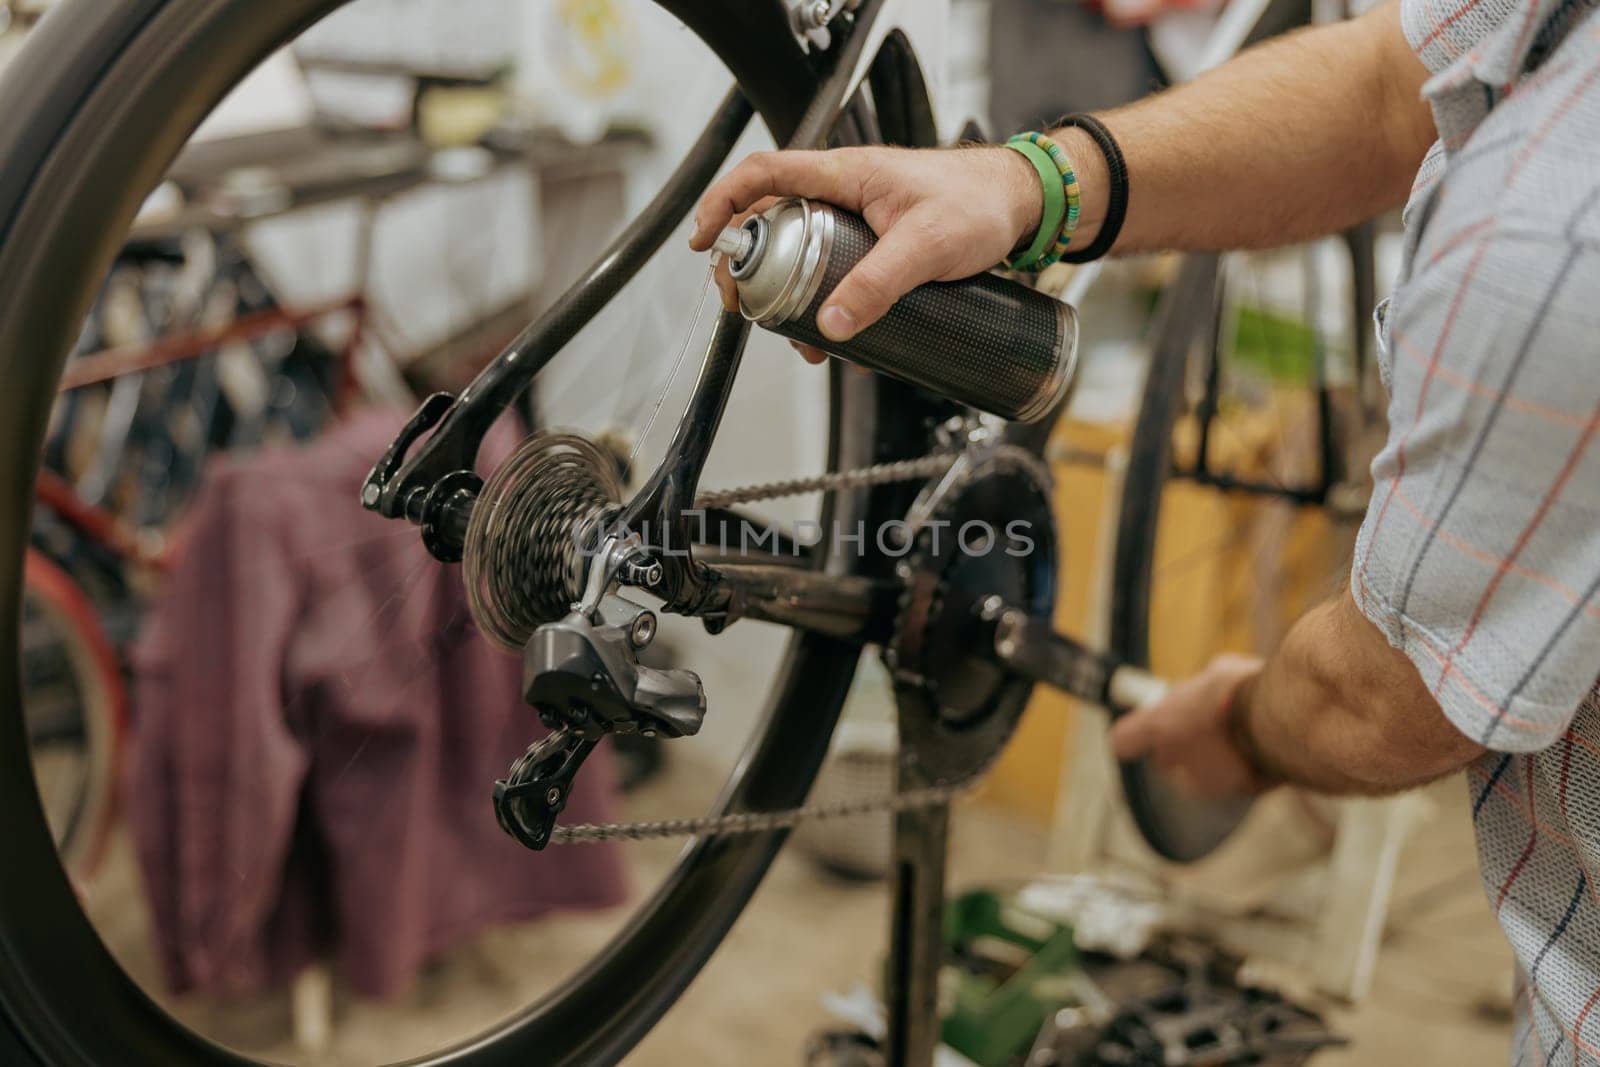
(987, 342)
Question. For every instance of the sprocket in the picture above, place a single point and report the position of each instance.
(984, 530)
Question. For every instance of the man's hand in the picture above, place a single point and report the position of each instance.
(940, 215)
(1189, 733)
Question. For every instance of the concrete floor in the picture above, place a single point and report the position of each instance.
(1441, 992)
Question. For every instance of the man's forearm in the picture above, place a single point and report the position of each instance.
(1339, 710)
(1298, 137)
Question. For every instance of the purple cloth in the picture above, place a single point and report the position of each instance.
(318, 726)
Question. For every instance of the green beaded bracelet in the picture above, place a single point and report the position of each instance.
(1061, 236)
(1055, 205)
(1069, 186)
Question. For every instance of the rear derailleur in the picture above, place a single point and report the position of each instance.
(583, 676)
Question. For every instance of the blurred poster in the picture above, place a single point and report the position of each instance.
(582, 62)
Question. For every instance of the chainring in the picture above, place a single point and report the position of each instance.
(985, 530)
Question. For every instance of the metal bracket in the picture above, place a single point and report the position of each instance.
(427, 416)
(810, 19)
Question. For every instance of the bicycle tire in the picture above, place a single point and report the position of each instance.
(98, 106)
(1182, 832)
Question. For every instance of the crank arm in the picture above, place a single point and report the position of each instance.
(1031, 649)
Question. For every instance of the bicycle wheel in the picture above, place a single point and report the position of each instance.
(100, 104)
(1245, 470)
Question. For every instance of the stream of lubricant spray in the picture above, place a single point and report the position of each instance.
(677, 364)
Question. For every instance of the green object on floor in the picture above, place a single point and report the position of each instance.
(1001, 981)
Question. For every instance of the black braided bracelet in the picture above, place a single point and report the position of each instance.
(1117, 196)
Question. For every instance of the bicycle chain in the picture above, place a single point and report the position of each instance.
(905, 470)
(758, 822)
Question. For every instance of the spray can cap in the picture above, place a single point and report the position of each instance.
(780, 268)
(735, 242)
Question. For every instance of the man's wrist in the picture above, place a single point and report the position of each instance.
(1241, 731)
(1093, 182)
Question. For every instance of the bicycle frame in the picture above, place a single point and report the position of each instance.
(426, 488)
(96, 523)
(97, 367)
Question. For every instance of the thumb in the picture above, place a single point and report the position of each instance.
(1137, 732)
(897, 264)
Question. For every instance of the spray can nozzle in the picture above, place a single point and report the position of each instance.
(735, 242)
(741, 244)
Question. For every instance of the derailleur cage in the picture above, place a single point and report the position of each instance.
(527, 801)
(583, 676)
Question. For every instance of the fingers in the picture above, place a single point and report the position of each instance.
(834, 176)
(727, 286)
(1197, 764)
(756, 208)
(814, 356)
(1179, 713)
(901, 261)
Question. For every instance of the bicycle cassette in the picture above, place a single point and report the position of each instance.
(983, 534)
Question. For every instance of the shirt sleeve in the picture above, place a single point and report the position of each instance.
(1480, 553)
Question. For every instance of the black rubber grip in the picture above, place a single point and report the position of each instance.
(987, 342)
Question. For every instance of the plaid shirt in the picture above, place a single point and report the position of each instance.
(1480, 553)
